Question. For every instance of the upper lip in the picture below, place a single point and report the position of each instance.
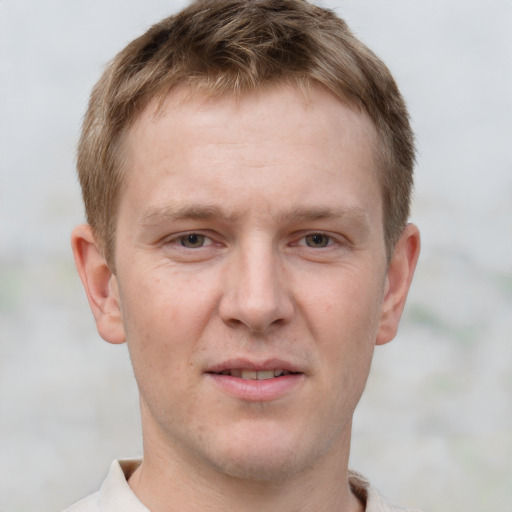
(251, 364)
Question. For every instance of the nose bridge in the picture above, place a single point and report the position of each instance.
(257, 294)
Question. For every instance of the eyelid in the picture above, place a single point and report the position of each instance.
(298, 239)
(175, 238)
(334, 239)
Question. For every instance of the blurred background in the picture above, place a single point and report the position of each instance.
(434, 429)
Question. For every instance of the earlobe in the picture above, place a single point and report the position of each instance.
(398, 281)
(99, 283)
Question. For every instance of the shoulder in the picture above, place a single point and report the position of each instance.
(88, 504)
(115, 493)
(374, 501)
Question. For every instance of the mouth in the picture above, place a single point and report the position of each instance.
(257, 381)
(247, 374)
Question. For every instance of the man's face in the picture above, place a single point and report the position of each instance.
(251, 275)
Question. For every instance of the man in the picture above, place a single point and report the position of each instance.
(246, 170)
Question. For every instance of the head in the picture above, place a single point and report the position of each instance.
(233, 48)
(246, 169)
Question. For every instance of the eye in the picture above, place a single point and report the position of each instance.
(317, 240)
(193, 241)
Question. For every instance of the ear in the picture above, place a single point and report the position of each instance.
(398, 280)
(100, 284)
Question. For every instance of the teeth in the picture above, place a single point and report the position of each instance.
(249, 375)
(266, 374)
(255, 375)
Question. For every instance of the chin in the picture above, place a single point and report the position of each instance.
(262, 467)
(267, 458)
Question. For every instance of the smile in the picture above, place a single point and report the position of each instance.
(256, 385)
(255, 375)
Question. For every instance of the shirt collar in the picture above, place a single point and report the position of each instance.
(116, 494)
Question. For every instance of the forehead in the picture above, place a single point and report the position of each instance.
(281, 137)
(280, 104)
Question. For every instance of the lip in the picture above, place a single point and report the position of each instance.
(256, 390)
(249, 364)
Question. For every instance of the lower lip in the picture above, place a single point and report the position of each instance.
(258, 390)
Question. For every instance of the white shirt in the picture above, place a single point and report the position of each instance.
(116, 495)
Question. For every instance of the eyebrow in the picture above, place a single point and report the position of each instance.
(356, 216)
(173, 213)
(307, 213)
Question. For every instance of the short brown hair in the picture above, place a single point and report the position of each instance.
(234, 47)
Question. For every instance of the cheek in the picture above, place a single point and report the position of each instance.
(344, 320)
(164, 320)
(344, 302)
(162, 302)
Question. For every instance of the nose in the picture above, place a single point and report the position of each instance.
(256, 293)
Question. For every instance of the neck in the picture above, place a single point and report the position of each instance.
(167, 482)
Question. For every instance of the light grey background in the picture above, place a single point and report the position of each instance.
(434, 429)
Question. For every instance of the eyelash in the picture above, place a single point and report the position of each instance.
(327, 238)
(180, 241)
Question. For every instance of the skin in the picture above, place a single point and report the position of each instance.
(250, 231)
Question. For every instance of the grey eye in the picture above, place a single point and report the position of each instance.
(317, 240)
(192, 241)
